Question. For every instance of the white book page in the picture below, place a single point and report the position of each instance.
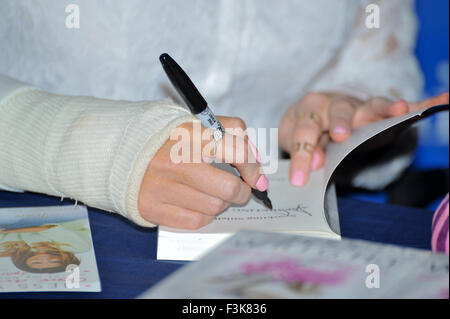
(295, 209)
(290, 213)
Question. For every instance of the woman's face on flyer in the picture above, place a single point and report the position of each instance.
(43, 261)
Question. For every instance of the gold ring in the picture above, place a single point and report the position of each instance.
(313, 116)
(307, 147)
(316, 118)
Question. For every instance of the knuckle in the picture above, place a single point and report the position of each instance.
(339, 118)
(217, 205)
(378, 99)
(342, 103)
(306, 127)
(231, 188)
(313, 97)
(196, 221)
(246, 196)
(237, 122)
(305, 134)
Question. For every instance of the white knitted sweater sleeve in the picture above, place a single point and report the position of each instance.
(93, 150)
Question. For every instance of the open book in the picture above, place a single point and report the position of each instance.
(254, 264)
(310, 210)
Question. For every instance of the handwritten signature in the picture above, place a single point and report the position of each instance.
(299, 209)
(281, 212)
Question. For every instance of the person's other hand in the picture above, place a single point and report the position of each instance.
(190, 195)
(308, 125)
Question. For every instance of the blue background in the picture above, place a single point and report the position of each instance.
(432, 51)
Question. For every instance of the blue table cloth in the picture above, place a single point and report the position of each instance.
(126, 253)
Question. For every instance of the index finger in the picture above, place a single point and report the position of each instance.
(305, 137)
(238, 152)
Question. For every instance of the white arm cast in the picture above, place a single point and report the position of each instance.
(92, 150)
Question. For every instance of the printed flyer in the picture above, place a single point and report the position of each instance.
(47, 249)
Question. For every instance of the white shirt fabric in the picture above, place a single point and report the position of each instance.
(249, 58)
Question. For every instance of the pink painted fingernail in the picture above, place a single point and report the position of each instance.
(262, 183)
(340, 130)
(298, 178)
(315, 161)
(254, 151)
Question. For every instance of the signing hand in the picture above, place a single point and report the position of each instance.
(308, 125)
(189, 195)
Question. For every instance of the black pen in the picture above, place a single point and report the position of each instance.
(199, 107)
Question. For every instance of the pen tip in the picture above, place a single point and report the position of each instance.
(268, 203)
(164, 57)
